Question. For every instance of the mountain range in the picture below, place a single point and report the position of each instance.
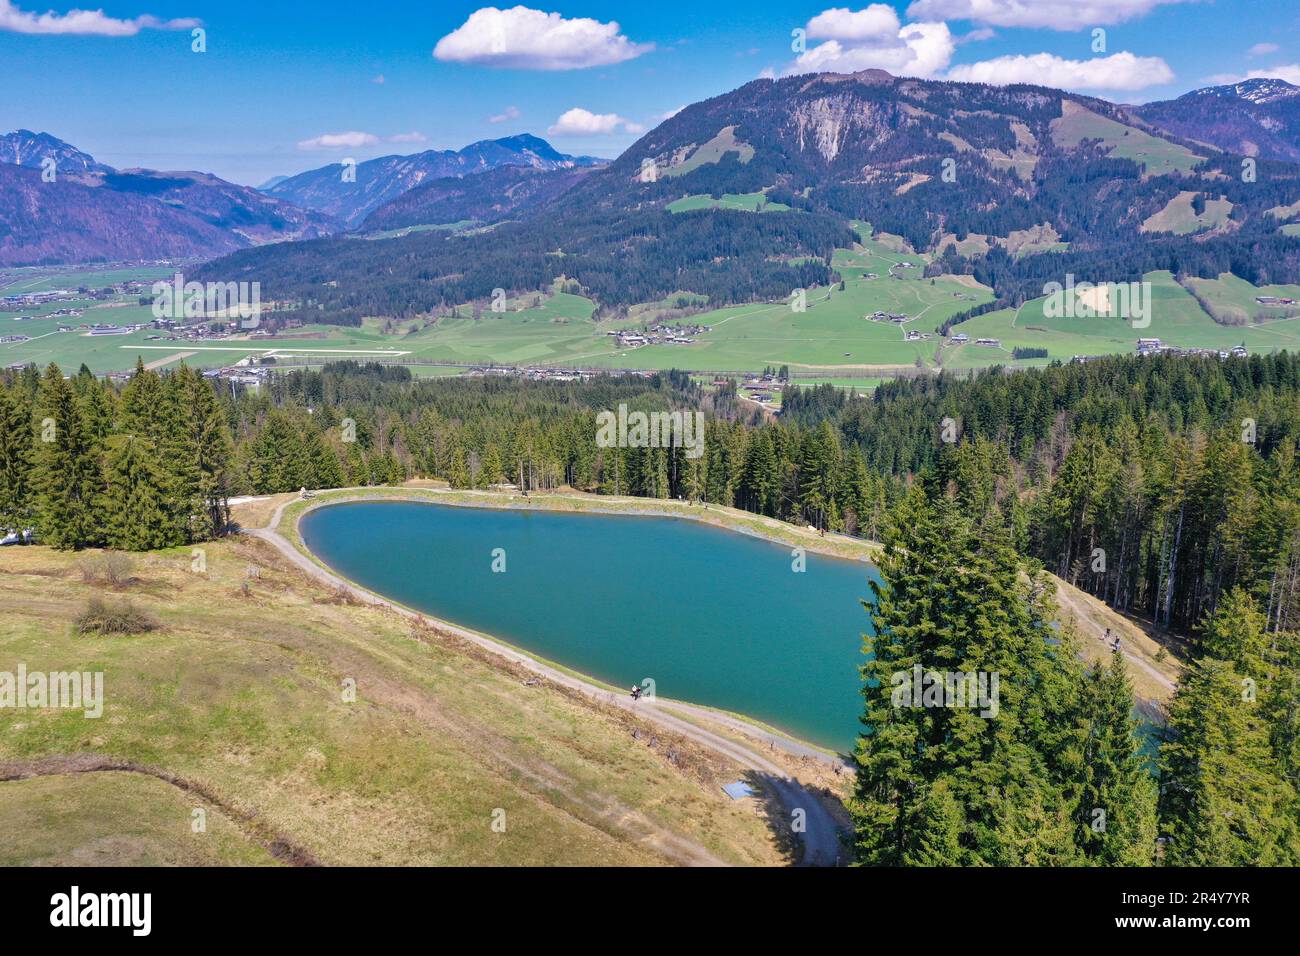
(81, 210)
(1013, 185)
(91, 212)
(1258, 117)
(377, 181)
(982, 177)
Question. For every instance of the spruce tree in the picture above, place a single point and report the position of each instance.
(955, 599)
(1223, 799)
(65, 467)
(1117, 819)
(15, 463)
(134, 504)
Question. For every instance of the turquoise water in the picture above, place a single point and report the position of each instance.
(712, 616)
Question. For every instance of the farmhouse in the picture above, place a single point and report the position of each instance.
(996, 343)
(961, 338)
(1148, 346)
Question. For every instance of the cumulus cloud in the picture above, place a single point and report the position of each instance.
(876, 22)
(348, 140)
(1120, 71)
(1051, 14)
(580, 122)
(915, 49)
(1263, 49)
(525, 39)
(506, 115)
(82, 23)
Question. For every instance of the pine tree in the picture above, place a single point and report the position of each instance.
(134, 505)
(65, 467)
(1117, 825)
(15, 463)
(955, 600)
(1223, 801)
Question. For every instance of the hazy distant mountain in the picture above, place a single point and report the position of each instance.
(91, 212)
(486, 197)
(25, 148)
(1252, 118)
(380, 180)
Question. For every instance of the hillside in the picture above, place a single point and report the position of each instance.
(1252, 118)
(234, 706)
(1053, 183)
(381, 180)
(483, 197)
(91, 212)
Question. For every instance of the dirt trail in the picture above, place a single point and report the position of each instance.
(283, 849)
(821, 842)
(1083, 614)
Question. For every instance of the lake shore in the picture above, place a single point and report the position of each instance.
(284, 524)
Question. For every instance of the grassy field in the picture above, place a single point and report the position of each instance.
(712, 152)
(881, 273)
(1157, 156)
(744, 202)
(1180, 218)
(1176, 319)
(236, 706)
(1230, 295)
(48, 279)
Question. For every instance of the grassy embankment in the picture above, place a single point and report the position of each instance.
(235, 705)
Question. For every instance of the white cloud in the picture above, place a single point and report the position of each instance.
(379, 80)
(1290, 72)
(349, 140)
(876, 22)
(526, 39)
(916, 49)
(506, 115)
(580, 122)
(407, 138)
(1263, 49)
(1050, 14)
(1120, 71)
(662, 117)
(82, 23)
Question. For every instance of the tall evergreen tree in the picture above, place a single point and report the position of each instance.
(66, 469)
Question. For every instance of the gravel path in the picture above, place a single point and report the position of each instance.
(821, 839)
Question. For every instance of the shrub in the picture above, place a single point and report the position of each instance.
(112, 568)
(114, 618)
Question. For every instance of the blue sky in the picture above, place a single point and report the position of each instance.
(284, 87)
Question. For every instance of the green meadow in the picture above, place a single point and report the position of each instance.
(744, 202)
(1176, 319)
(831, 338)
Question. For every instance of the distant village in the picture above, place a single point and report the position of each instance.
(658, 335)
